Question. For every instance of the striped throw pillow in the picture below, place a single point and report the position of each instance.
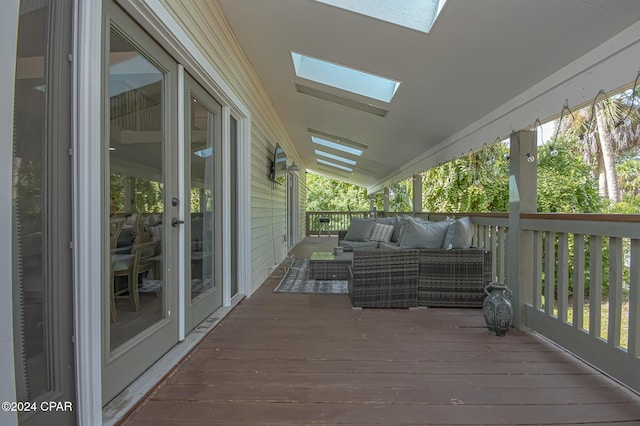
(381, 233)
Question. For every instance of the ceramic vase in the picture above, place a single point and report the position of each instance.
(497, 308)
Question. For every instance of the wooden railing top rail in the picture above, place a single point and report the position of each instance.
(594, 217)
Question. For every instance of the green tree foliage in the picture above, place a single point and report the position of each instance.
(400, 197)
(477, 182)
(325, 194)
(116, 185)
(148, 196)
(565, 183)
(608, 130)
(629, 182)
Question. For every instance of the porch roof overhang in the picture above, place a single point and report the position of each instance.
(486, 68)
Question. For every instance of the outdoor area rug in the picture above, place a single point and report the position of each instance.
(297, 281)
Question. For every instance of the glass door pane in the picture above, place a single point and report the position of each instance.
(203, 166)
(41, 276)
(202, 202)
(136, 192)
(233, 187)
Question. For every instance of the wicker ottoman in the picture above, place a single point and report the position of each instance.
(325, 265)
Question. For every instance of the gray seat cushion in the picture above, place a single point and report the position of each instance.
(350, 245)
(389, 246)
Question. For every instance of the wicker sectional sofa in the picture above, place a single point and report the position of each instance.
(405, 278)
(404, 262)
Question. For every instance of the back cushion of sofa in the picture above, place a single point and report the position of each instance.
(459, 234)
(360, 229)
(421, 234)
(398, 236)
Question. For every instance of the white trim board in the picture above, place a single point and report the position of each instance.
(8, 46)
(87, 208)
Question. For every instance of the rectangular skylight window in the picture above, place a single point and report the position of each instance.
(415, 14)
(336, 146)
(336, 157)
(344, 78)
(337, 166)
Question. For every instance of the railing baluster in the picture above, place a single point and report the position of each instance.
(537, 269)
(549, 272)
(493, 246)
(501, 255)
(563, 275)
(578, 281)
(615, 290)
(634, 299)
(595, 284)
(487, 236)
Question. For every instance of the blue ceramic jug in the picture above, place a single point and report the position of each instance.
(497, 308)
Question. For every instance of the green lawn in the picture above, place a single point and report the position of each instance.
(604, 320)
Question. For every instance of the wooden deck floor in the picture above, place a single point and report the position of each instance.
(312, 359)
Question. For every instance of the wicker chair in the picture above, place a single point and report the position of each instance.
(384, 278)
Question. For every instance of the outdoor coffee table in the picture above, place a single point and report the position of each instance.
(324, 265)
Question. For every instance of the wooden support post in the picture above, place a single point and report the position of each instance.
(417, 193)
(385, 200)
(372, 206)
(522, 199)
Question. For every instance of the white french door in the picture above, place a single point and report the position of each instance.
(203, 203)
(140, 225)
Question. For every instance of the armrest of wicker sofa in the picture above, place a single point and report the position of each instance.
(453, 278)
(384, 278)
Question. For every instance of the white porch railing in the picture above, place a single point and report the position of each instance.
(592, 253)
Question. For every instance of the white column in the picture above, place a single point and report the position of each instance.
(88, 209)
(417, 193)
(385, 198)
(522, 199)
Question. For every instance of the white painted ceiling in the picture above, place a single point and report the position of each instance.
(479, 55)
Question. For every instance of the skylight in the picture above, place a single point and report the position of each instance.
(336, 146)
(337, 166)
(415, 14)
(344, 78)
(204, 153)
(336, 157)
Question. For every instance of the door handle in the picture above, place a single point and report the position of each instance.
(175, 222)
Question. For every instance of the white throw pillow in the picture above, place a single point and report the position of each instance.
(382, 233)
